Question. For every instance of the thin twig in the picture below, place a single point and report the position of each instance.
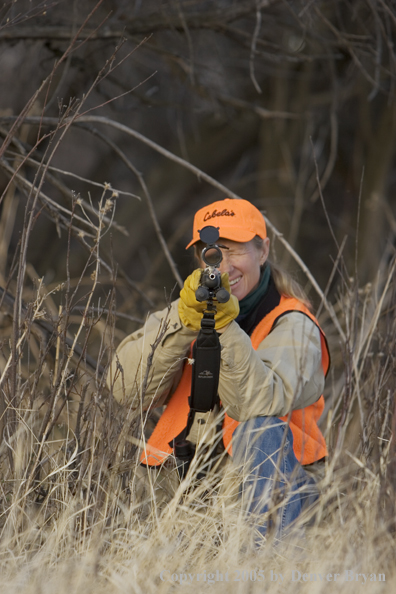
(334, 270)
(146, 192)
(253, 50)
(117, 314)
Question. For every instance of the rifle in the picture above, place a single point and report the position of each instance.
(206, 349)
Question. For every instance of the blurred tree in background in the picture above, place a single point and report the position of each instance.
(274, 99)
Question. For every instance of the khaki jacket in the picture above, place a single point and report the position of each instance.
(284, 373)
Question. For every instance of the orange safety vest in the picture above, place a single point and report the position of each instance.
(308, 442)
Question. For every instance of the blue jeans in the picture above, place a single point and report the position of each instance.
(274, 481)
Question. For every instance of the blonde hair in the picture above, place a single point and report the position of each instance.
(284, 282)
(286, 285)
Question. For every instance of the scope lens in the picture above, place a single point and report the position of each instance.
(212, 256)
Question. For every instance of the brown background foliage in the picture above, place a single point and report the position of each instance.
(250, 92)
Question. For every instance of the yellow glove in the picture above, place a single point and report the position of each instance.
(191, 310)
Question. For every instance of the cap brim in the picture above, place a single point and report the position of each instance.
(192, 243)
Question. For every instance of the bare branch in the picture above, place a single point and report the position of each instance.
(253, 49)
(146, 192)
(154, 22)
(201, 175)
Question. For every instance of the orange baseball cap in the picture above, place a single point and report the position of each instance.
(235, 219)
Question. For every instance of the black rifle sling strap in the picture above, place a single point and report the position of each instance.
(206, 369)
(204, 385)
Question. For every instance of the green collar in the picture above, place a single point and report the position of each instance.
(251, 300)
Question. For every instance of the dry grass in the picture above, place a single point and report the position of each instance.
(45, 549)
(77, 514)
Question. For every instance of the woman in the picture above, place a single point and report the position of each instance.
(273, 363)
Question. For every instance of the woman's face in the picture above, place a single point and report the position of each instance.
(242, 261)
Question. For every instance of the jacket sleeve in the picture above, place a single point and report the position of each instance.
(142, 374)
(285, 373)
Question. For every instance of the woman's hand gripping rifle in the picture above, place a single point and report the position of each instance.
(208, 290)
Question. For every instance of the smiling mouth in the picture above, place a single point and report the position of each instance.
(235, 281)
